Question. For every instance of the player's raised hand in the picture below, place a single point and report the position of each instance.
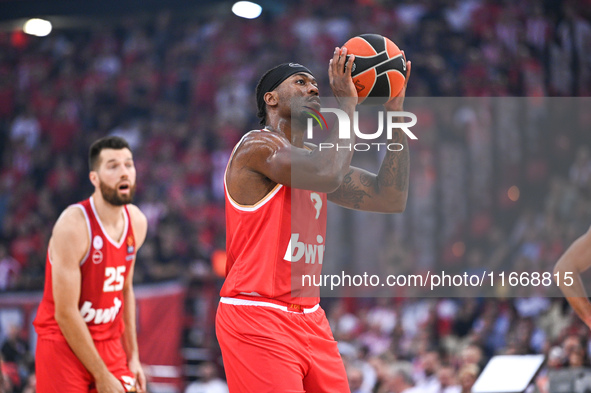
(339, 75)
(396, 103)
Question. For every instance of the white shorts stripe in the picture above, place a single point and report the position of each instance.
(244, 302)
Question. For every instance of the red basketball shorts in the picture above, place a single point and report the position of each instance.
(267, 348)
(58, 369)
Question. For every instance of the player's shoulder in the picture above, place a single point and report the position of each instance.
(72, 216)
(71, 224)
(135, 212)
(139, 221)
(263, 137)
(259, 145)
(138, 218)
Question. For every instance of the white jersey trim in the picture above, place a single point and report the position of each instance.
(256, 206)
(244, 302)
(98, 219)
(260, 203)
(89, 234)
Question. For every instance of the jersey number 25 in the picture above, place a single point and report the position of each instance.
(114, 279)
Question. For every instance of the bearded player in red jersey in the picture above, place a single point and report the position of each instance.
(274, 338)
(86, 320)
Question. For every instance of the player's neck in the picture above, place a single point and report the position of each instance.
(291, 131)
(109, 214)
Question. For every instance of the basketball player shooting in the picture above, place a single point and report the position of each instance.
(271, 340)
(86, 320)
(567, 272)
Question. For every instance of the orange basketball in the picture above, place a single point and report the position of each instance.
(379, 70)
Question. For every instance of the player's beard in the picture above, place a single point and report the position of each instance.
(300, 111)
(112, 195)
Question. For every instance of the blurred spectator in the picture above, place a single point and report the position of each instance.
(580, 171)
(447, 380)
(5, 383)
(399, 380)
(427, 376)
(30, 384)
(15, 349)
(467, 377)
(574, 35)
(471, 355)
(25, 129)
(209, 382)
(355, 378)
(9, 270)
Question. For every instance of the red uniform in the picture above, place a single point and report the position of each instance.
(273, 334)
(104, 270)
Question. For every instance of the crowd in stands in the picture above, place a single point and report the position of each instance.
(180, 89)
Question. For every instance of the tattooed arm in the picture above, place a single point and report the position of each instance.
(387, 191)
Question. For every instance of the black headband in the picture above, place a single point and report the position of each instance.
(275, 76)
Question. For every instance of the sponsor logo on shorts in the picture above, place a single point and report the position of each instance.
(128, 383)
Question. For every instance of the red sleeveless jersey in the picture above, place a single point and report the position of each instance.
(104, 270)
(275, 247)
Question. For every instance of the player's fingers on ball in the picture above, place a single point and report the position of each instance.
(331, 72)
(337, 63)
(349, 65)
(407, 66)
(342, 59)
(332, 68)
(335, 59)
(335, 55)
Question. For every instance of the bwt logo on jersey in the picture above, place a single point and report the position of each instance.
(296, 250)
(101, 315)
